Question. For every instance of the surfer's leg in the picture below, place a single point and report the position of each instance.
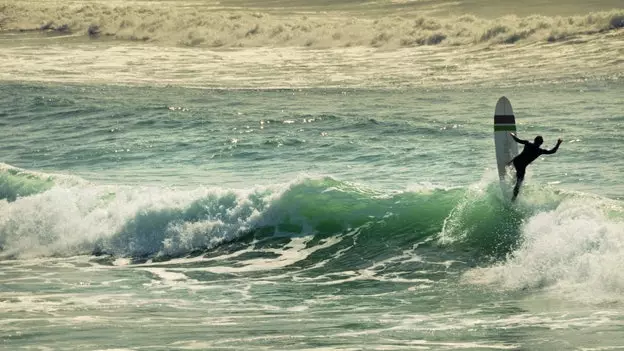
(519, 178)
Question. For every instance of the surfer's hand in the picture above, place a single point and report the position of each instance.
(559, 141)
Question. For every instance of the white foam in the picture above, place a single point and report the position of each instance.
(575, 251)
(290, 67)
(77, 219)
(289, 254)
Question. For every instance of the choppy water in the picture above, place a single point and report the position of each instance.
(260, 175)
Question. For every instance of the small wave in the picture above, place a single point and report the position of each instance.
(203, 27)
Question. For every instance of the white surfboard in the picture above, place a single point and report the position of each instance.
(506, 147)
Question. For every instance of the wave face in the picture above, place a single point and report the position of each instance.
(210, 26)
(70, 219)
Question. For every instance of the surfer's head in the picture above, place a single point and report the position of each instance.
(538, 140)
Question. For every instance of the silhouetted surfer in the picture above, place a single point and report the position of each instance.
(530, 152)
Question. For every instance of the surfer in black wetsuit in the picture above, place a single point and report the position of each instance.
(530, 152)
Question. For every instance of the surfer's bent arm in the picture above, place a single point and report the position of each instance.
(554, 149)
(519, 141)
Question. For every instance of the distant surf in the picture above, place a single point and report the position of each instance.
(234, 28)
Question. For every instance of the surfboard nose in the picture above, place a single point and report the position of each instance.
(503, 107)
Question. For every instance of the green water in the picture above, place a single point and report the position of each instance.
(245, 175)
(173, 218)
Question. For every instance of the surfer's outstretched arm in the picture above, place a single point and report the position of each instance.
(554, 149)
(519, 141)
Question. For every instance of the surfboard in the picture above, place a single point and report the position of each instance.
(504, 123)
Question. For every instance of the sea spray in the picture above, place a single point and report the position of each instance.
(575, 250)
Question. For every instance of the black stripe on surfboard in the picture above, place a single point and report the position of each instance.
(506, 119)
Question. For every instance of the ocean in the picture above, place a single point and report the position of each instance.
(309, 175)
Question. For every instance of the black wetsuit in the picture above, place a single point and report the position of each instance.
(528, 155)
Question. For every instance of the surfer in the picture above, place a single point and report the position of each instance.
(530, 152)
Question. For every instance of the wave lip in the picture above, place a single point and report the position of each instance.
(15, 182)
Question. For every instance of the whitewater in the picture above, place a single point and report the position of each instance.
(308, 175)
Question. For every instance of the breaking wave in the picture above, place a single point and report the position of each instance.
(565, 242)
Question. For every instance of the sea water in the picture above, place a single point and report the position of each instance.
(308, 175)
